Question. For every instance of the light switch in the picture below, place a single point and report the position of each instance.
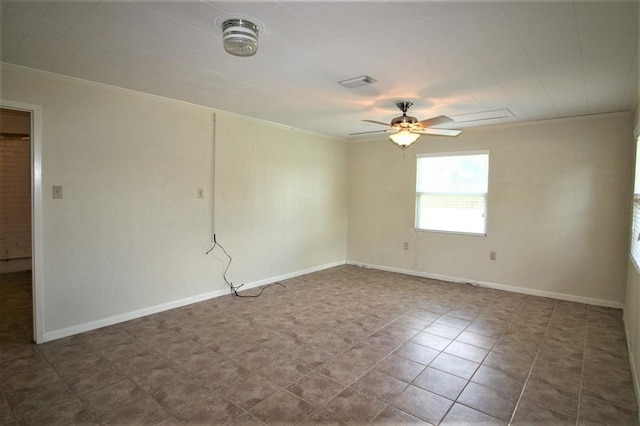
(200, 193)
(57, 191)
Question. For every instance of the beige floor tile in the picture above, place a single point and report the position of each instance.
(316, 388)
(417, 353)
(455, 365)
(545, 395)
(72, 413)
(393, 416)
(400, 368)
(460, 415)
(596, 412)
(423, 404)
(441, 383)
(467, 351)
(38, 401)
(344, 369)
(282, 408)
(353, 407)
(529, 413)
(499, 380)
(488, 401)
(342, 345)
(475, 339)
(432, 341)
(250, 390)
(321, 417)
(380, 386)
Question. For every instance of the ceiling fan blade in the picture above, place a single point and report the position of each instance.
(377, 122)
(364, 133)
(435, 121)
(438, 132)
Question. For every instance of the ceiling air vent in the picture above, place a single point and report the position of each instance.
(363, 80)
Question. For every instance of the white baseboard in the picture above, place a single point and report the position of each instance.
(496, 286)
(272, 280)
(93, 325)
(116, 319)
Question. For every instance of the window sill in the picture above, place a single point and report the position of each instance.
(438, 231)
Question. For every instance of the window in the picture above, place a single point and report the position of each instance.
(451, 192)
(635, 226)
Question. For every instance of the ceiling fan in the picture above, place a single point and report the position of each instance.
(406, 129)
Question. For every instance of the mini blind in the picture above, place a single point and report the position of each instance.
(451, 192)
(635, 226)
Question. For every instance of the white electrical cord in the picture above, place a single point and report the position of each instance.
(213, 184)
(213, 178)
(234, 289)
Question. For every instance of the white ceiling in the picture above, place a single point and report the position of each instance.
(538, 60)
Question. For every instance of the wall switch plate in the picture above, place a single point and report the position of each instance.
(57, 191)
(492, 255)
(406, 246)
(200, 193)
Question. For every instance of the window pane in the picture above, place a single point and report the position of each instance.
(635, 231)
(635, 226)
(453, 213)
(451, 192)
(467, 173)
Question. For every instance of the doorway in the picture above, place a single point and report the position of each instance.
(20, 220)
(16, 295)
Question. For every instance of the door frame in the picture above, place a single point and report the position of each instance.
(36, 213)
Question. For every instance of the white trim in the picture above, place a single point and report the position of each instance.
(468, 234)
(81, 328)
(36, 213)
(254, 284)
(496, 286)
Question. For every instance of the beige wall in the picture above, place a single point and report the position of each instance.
(130, 235)
(282, 199)
(557, 209)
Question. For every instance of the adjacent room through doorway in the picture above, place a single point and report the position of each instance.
(16, 307)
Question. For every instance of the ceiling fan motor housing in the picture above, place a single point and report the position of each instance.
(404, 121)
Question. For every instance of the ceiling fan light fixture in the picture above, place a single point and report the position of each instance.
(240, 37)
(404, 138)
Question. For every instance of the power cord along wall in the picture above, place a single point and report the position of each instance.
(214, 243)
(234, 289)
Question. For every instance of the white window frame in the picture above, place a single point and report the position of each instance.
(634, 247)
(420, 194)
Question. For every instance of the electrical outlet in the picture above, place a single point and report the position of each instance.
(200, 193)
(406, 246)
(57, 191)
(492, 255)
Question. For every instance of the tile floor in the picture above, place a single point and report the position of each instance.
(341, 346)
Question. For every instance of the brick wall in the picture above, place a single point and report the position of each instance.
(15, 201)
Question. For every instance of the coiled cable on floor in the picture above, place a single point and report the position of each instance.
(234, 289)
